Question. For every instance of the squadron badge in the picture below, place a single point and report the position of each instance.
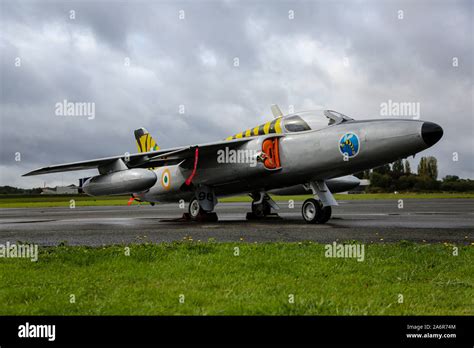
(349, 144)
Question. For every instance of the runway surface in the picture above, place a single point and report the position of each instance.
(377, 221)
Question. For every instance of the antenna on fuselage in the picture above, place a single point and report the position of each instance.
(276, 111)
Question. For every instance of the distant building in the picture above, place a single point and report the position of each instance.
(61, 190)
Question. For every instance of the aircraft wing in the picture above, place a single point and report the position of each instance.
(143, 159)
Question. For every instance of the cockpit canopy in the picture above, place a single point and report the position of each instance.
(312, 120)
(297, 122)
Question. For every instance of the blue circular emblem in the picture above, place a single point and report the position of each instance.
(349, 144)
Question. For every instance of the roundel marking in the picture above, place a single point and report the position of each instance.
(349, 144)
(166, 179)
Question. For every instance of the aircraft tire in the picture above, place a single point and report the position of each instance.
(327, 211)
(194, 209)
(314, 213)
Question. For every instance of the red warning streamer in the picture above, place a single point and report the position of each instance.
(196, 156)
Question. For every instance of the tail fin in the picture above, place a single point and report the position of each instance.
(145, 142)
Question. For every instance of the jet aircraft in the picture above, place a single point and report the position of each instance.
(305, 152)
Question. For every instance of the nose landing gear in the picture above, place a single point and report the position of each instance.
(314, 213)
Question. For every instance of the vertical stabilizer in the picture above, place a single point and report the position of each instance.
(145, 142)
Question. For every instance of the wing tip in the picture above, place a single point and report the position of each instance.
(30, 173)
(37, 171)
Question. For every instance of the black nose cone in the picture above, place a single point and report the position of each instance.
(431, 133)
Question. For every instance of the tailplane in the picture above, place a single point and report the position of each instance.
(145, 142)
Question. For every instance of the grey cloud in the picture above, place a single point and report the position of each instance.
(291, 62)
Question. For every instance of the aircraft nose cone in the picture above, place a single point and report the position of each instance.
(431, 133)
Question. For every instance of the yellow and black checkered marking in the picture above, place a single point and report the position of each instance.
(272, 127)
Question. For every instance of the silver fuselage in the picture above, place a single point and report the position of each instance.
(305, 156)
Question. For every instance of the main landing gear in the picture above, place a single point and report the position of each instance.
(196, 213)
(314, 213)
(259, 210)
(261, 207)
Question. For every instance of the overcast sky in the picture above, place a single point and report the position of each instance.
(139, 62)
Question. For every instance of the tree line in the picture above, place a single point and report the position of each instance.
(398, 176)
(10, 190)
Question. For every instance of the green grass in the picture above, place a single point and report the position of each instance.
(257, 282)
(38, 201)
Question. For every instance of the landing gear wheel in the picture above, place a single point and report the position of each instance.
(196, 213)
(261, 210)
(195, 209)
(314, 213)
(327, 211)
